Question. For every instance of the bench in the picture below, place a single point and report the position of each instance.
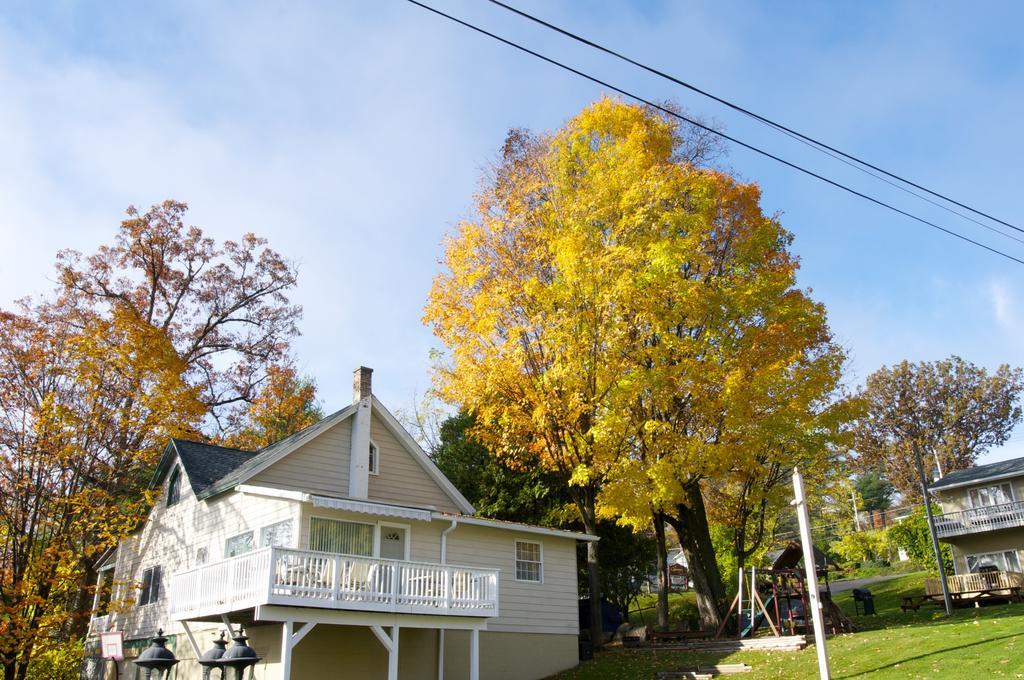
(910, 604)
(668, 636)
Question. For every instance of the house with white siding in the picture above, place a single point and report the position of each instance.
(343, 552)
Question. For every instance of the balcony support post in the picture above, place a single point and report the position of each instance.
(390, 644)
(474, 654)
(191, 640)
(289, 638)
(227, 624)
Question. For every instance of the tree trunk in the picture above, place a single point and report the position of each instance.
(588, 514)
(691, 524)
(663, 573)
(10, 671)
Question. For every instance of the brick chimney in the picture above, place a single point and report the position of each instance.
(362, 379)
(359, 459)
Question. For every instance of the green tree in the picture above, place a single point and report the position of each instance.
(496, 489)
(875, 491)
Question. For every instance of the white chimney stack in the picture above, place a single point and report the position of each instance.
(359, 461)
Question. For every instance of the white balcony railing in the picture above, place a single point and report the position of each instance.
(985, 582)
(1005, 516)
(283, 576)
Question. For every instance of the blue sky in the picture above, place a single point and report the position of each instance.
(352, 136)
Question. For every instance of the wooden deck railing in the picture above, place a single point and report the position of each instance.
(304, 578)
(1005, 516)
(962, 584)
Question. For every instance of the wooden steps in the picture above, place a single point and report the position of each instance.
(785, 643)
(704, 672)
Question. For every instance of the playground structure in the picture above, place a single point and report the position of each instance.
(778, 598)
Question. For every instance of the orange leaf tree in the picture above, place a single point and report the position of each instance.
(87, 403)
(162, 333)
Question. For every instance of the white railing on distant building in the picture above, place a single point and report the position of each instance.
(982, 582)
(283, 576)
(974, 520)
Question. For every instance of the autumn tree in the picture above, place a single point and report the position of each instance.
(951, 410)
(163, 333)
(224, 307)
(286, 404)
(86, 404)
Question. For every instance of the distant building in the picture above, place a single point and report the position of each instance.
(983, 516)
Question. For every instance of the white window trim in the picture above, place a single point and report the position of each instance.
(408, 538)
(998, 484)
(294, 543)
(224, 546)
(174, 477)
(374, 469)
(376, 533)
(515, 558)
(99, 590)
(968, 557)
(143, 580)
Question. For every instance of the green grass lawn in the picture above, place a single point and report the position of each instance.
(973, 644)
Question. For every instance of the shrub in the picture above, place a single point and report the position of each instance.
(861, 546)
(912, 535)
(57, 661)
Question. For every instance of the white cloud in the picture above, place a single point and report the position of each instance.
(1003, 305)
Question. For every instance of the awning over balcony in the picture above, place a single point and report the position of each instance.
(369, 508)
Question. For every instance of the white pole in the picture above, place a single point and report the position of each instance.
(812, 574)
(739, 606)
(753, 589)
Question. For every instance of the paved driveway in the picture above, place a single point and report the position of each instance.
(843, 586)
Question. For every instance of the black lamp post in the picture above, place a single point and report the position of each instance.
(156, 657)
(240, 657)
(211, 658)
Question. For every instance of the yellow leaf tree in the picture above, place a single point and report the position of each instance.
(631, 318)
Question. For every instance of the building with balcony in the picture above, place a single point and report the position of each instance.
(983, 517)
(344, 552)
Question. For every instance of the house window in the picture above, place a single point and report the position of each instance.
(374, 464)
(529, 562)
(202, 556)
(104, 591)
(1006, 560)
(151, 585)
(174, 487)
(337, 536)
(991, 495)
(278, 535)
(238, 545)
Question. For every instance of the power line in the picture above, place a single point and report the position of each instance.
(825, 148)
(723, 135)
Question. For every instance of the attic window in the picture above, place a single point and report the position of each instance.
(174, 487)
(374, 463)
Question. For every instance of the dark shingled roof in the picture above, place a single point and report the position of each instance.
(793, 554)
(205, 463)
(980, 473)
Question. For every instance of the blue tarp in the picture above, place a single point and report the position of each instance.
(611, 617)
